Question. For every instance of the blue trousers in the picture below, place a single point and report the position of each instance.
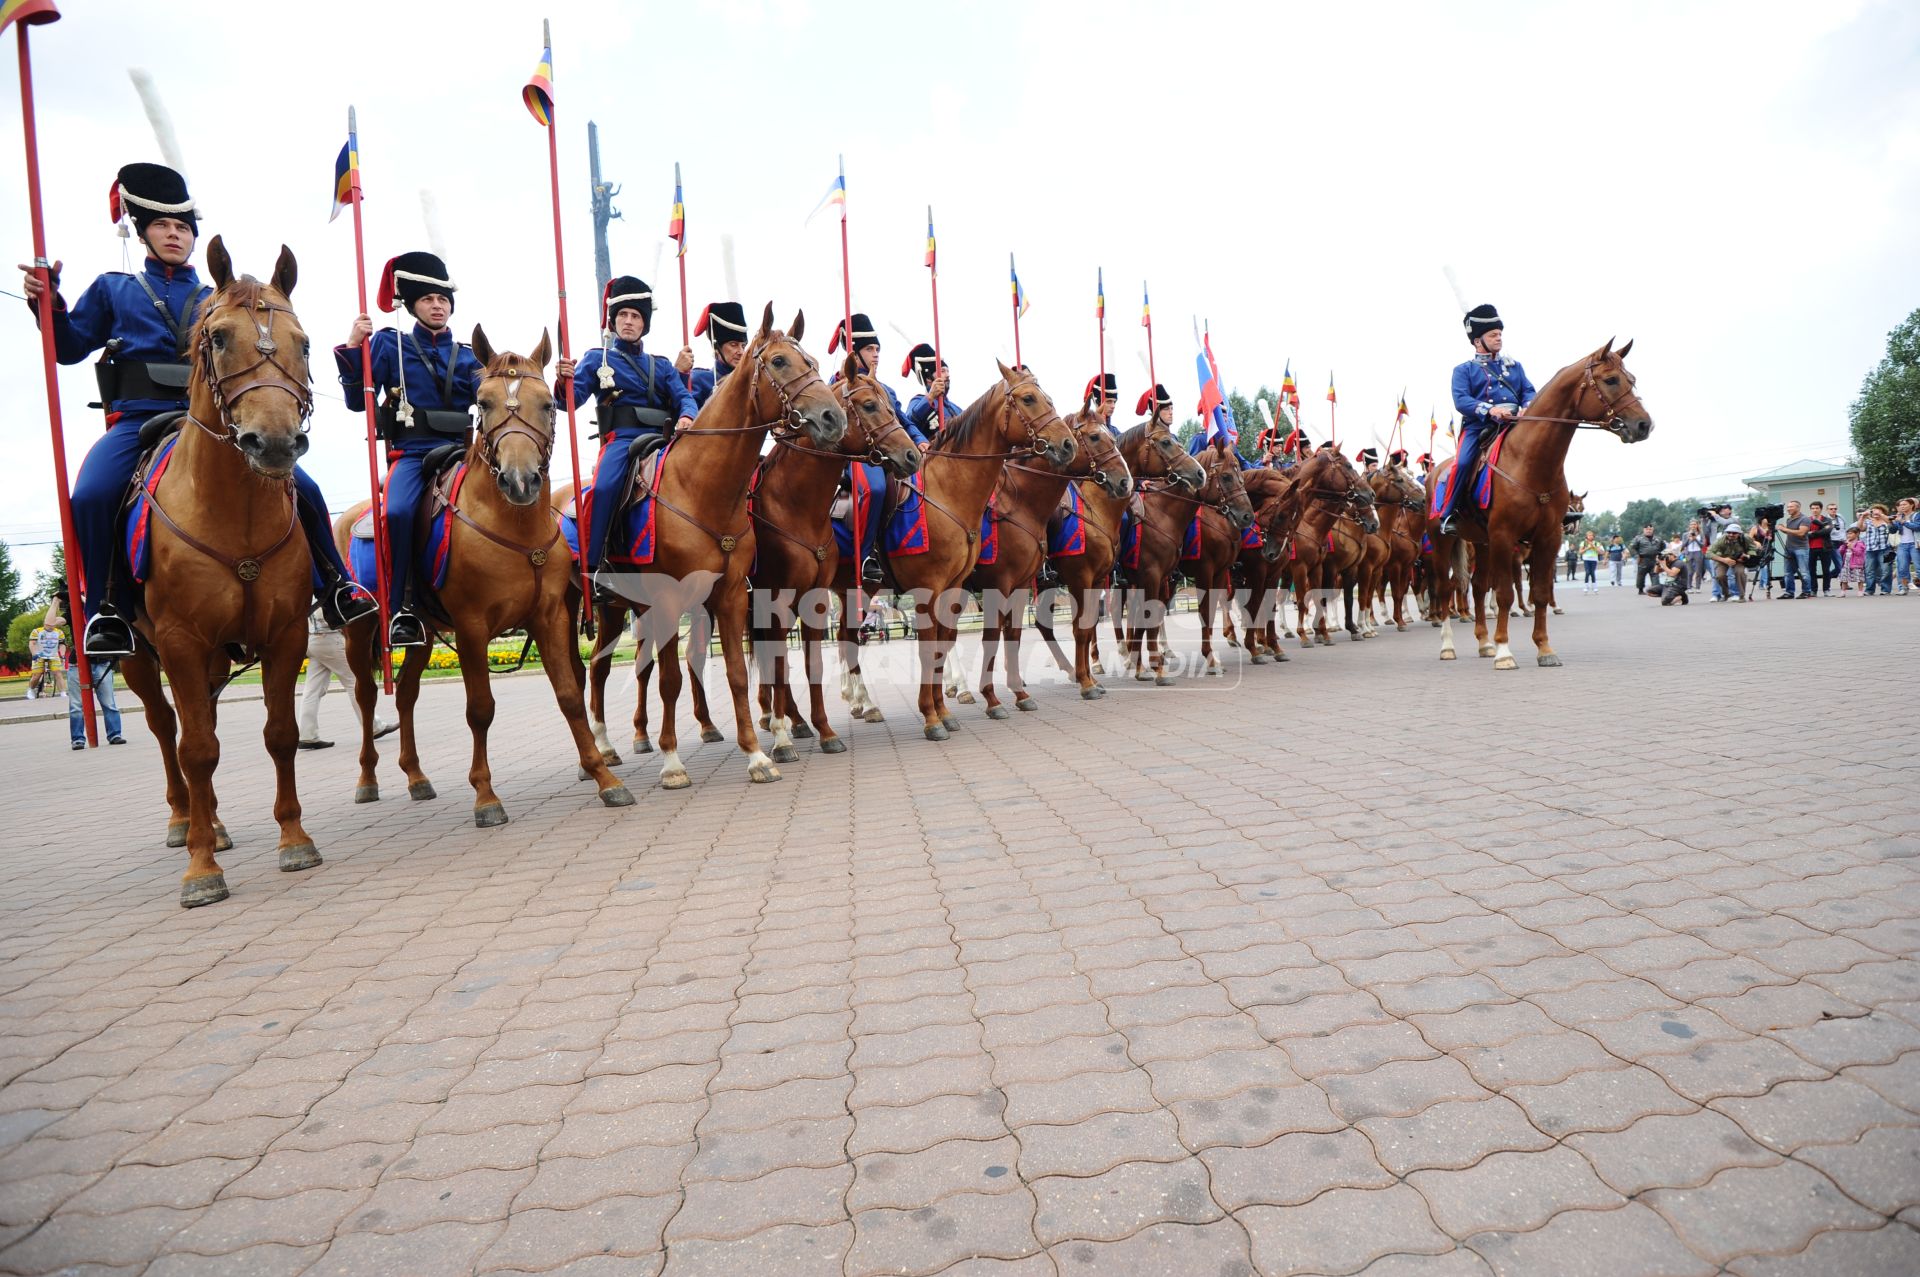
(1458, 476)
(101, 487)
(405, 488)
(103, 695)
(610, 474)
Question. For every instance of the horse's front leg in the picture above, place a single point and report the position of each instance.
(199, 753)
(1086, 638)
(729, 612)
(279, 669)
(553, 629)
(926, 646)
(406, 694)
(1010, 648)
(1504, 580)
(697, 648)
(1209, 663)
(813, 635)
(471, 644)
(993, 620)
(606, 637)
(673, 772)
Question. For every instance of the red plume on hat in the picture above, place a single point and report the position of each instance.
(115, 212)
(839, 337)
(385, 298)
(700, 329)
(1145, 406)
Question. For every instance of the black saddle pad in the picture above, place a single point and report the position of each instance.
(158, 427)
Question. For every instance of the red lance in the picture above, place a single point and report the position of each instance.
(378, 501)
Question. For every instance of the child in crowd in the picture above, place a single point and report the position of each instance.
(1853, 563)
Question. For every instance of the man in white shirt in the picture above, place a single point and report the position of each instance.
(326, 659)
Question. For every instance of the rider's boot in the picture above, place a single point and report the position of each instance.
(107, 634)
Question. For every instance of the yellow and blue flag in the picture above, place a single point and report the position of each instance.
(1100, 297)
(1146, 306)
(538, 94)
(1019, 293)
(677, 225)
(836, 194)
(930, 250)
(1330, 396)
(346, 175)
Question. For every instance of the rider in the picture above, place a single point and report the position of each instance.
(143, 321)
(725, 325)
(427, 382)
(1155, 401)
(1102, 397)
(924, 410)
(640, 396)
(866, 353)
(1370, 462)
(1489, 390)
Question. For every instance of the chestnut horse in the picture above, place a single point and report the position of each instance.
(1401, 503)
(799, 553)
(1163, 517)
(227, 567)
(1023, 505)
(704, 540)
(1327, 540)
(506, 570)
(1150, 452)
(1530, 499)
(1259, 567)
(1014, 417)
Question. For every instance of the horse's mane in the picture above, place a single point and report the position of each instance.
(959, 430)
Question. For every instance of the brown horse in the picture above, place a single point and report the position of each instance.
(228, 570)
(1222, 541)
(704, 541)
(506, 570)
(1401, 503)
(1013, 418)
(1023, 504)
(1530, 498)
(1328, 538)
(799, 554)
(1163, 516)
(1150, 452)
(1259, 568)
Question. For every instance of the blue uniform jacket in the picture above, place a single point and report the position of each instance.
(922, 414)
(1486, 380)
(705, 379)
(425, 381)
(115, 306)
(629, 363)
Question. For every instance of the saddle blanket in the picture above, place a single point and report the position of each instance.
(634, 536)
(860, 529)
(139, 514)
(1068, 534)
(435, 548)
(989, 532)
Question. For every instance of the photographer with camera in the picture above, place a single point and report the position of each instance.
(1730, 553)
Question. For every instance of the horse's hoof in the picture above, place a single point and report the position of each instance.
(1356, 637)
(301, 856)
(1163, 680)
(675, 780)
(1214, 671)
(489, 816)
(641, 745)
(1092, 693)
(802, 730)
(610, 757)
(616, 796)
(1144, 676)
(1449, 654)
(763, 773)
(1402, 628)
(712, 735)
(177, 834)
(222, 840)
(581, 773)
(1506, 663)
(784, 754)
(936, 732)
(1558, 612)
(208, 890)
(1261, 658)
(1324, 641)
(421, 790)
(1027, 705)
(965, 698)
(874, 716)
(766, 722)
(832, 745)
(1487, 650)
(1279, 656)
(999, 712)
(1547, 660)
(366, 794)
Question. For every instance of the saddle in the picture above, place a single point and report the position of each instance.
(436, 469)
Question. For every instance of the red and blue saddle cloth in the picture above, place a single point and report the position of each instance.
(633, 538)
(139, 529)
(861, 530)
(1130, 540)
(1068, 534)
(435, 548)
(1481, 478)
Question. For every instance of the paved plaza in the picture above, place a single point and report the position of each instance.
(1357, 963)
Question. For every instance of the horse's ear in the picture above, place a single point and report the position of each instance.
(1006, 373)
(849, 370)
(286, 272)
(1624, 349)
(799, 325)
(482, 348)
(766, 322)
(543, 352)
(1606, 349)
(219, 265)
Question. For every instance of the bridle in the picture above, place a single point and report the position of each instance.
(1087, 465)
(1034, 427)
(514, 423)
(224, 400)
(1611, 418)
(791, 420)
(843, 391)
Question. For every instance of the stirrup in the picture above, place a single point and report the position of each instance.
(405, 630)
(343, 603)
(1450, 526)
(870, 574)
(107, 634)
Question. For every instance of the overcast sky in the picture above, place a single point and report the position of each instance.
(1736, 186)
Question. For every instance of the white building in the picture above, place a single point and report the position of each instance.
(1834, 485)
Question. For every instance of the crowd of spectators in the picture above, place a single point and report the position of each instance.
(1806, 552)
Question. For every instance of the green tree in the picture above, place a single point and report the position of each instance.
(1885, 419)
(1669, 518)
(50, 585)
(11, 604)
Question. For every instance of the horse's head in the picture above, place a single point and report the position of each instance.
(1099, 456)
(1226, 488)
(785, 383)
(873, 429)
(516, 417)
(1028, 417)
(1607, 395)
(1157, 454)
(248, 340)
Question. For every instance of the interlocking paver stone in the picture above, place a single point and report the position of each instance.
(1058, 996)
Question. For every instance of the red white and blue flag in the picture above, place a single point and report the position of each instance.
(1216, 421)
